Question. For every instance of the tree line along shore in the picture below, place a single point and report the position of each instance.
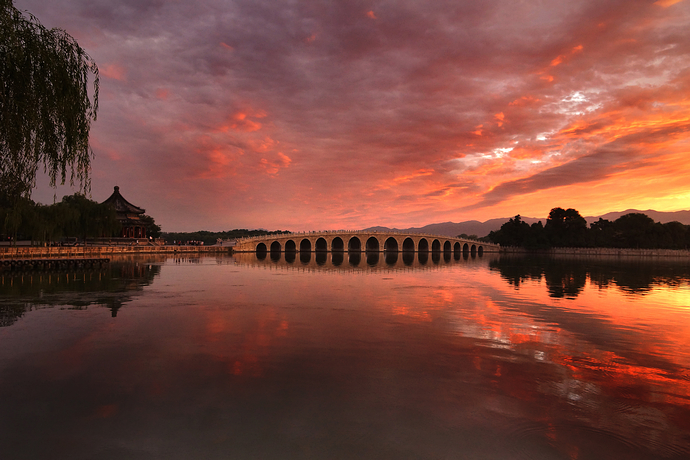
(566, 228)
(76, 216)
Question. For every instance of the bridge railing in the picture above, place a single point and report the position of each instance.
(352, 232)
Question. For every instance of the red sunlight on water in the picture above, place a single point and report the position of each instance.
(565, 357)
(602, 336)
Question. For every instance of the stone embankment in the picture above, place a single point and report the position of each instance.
(34, 252)
(601, 252)
(52, 263)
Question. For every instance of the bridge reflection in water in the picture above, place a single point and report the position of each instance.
(358, 260)
(356, 242)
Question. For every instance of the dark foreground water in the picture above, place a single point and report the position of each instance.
(339, 357)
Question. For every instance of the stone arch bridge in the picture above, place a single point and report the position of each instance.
(345, 240)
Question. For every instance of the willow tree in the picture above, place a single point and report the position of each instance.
(45, 106)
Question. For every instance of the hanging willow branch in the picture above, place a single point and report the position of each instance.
(45, 109)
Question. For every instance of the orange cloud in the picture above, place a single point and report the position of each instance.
(667, 3)
(113, 155)
(526, 153)
(286, 160)
(371, 15)
(273, 167)
(524, 101)
(226, 46)
(162, 93)
(213, 160)
(262, 145)
(239, 122)
(217, 164)
(419, 173)
(560, 58)
(114, 71)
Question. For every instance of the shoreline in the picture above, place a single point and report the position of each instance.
(33, 252)
(607, 252)
(80, 252)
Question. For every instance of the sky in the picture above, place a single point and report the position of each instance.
(312, 115)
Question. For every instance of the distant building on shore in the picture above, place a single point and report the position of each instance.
(128, 215)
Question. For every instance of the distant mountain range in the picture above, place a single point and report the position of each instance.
(474, 227)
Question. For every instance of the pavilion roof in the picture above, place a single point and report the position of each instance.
(121, 205)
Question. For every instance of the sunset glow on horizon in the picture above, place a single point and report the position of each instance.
(308, 115)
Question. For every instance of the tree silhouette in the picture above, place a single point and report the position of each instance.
(152, 229)
(566, 228)
(88, 218)
(635, 230)
(45, 108)
(515, 232)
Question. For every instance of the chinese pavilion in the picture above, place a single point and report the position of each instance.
(128, 215)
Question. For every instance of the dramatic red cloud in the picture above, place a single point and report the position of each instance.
(313, 115)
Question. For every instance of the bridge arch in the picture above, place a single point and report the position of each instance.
(446, 246)
(457, 249)
(465, 248)
(290, 246)
(391, 245)
(354, 244)
(473, 249)
(372, 244)
(321, 245)
(305, 245)
(337, 244)
(275, 247)
(408, 245)
(423, 245)
(436, 246)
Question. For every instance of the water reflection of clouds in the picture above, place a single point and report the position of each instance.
(387, 362)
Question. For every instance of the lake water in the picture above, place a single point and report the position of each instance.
(337, 356)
